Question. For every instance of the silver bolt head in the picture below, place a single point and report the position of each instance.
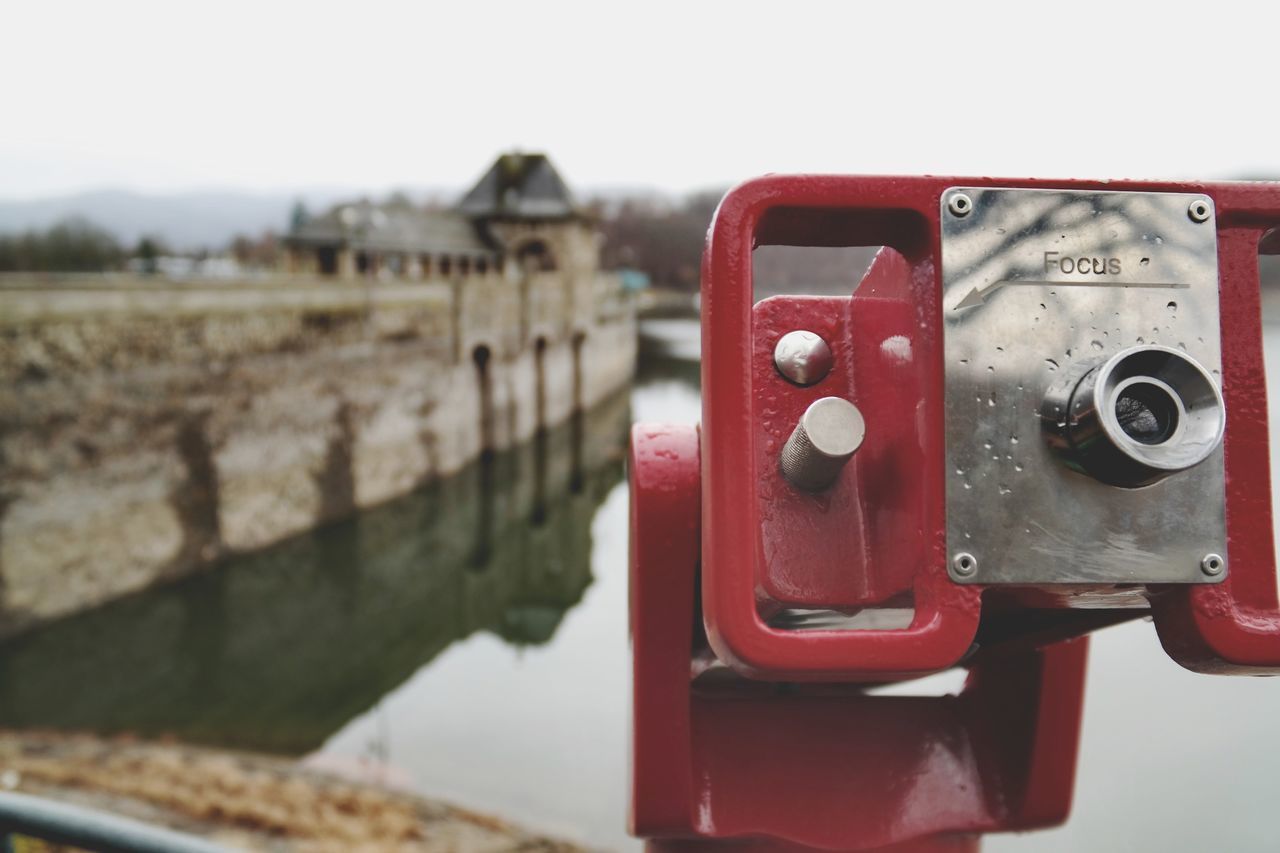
(829, 432)
(802, 357)
(964, 564)
(960, 204)
(1213, 564)
(1199, 210)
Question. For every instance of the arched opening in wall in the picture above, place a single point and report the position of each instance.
(446, 266)
(327, 260)
(364, 263)
(482, 356)
(579, 338)
(538, 515)
(464, 266)
(577, 426)
(426, 266)
(535, 256)
(482, 266)
(540, 378)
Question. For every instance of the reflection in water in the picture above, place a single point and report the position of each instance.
(536, 734)
(283, 648)
(670, 351)
(277, 650)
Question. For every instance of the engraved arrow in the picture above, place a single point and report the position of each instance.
(979, 295)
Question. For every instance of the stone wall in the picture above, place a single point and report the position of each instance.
(360, 605)
(148, 429)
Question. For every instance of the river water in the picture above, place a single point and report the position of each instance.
(470, 642)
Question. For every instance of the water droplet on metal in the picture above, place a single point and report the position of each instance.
(1096, 344)
(1053, 365)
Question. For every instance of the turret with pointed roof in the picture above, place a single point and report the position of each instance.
(520, 186)
(520, 207)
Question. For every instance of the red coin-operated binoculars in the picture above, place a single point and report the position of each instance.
(1041, 412)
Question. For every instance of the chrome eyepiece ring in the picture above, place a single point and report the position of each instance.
(1135, 418)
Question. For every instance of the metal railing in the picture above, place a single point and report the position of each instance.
(62, 823)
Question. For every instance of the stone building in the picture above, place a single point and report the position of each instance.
(520, 217)
(153, 428)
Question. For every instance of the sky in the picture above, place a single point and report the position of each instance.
(167, 97)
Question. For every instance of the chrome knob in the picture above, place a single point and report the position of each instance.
(829, 432)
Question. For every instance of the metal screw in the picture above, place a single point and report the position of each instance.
(960, 204)
(1199, 210)
(964, 564)
(829, 432)
(802, 357)
(1212, 564)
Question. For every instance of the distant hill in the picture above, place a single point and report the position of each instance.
(207, 220)
(184, 221)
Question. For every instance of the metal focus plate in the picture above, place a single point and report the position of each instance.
(1038, 284)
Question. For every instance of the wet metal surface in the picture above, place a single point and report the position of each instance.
(1038, 287)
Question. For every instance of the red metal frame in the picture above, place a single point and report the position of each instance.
(716, 757)
(765, 737)
(1228, 627)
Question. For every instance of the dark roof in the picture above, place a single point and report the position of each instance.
(520, 186)
(394, 227)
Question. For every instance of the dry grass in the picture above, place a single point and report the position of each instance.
(244, 800)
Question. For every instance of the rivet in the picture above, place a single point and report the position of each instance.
(1199, 210)
(1212, 564)
(960, 204)
(802, 357)
(964, 564)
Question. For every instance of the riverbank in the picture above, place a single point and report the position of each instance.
(148, 429)
(247, 801)
(395, 639)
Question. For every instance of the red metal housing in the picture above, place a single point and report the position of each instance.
(747, 730)
(878, 537)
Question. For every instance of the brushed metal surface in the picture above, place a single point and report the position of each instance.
(1038, 284)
